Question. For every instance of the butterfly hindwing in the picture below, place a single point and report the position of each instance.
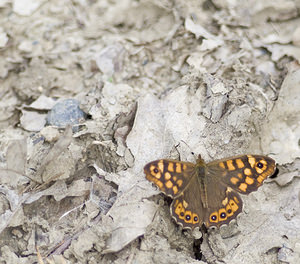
(227, 209)
(187, 209)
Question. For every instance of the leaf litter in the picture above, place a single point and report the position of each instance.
(157, 79)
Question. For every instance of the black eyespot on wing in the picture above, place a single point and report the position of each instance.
(260, 165)
(223, 215)
(155, 170)
(213, 217)
(188, 217)
(182, 214)
(195, 218)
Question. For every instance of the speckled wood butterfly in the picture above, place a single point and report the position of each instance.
(208, 192)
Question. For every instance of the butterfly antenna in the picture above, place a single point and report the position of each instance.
(171, 120)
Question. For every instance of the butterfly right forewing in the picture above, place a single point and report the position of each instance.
(244, 173)
(228, 177)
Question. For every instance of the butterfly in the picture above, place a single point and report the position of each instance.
(208, 193)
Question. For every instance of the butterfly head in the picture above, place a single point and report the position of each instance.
(200, 162)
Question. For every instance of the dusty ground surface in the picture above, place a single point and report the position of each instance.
(155, 79)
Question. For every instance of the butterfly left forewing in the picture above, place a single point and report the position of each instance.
(170, 176)
(243, 174)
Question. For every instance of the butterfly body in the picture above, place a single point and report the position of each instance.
(208, 192)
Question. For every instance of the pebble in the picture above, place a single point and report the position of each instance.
(65, 112)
